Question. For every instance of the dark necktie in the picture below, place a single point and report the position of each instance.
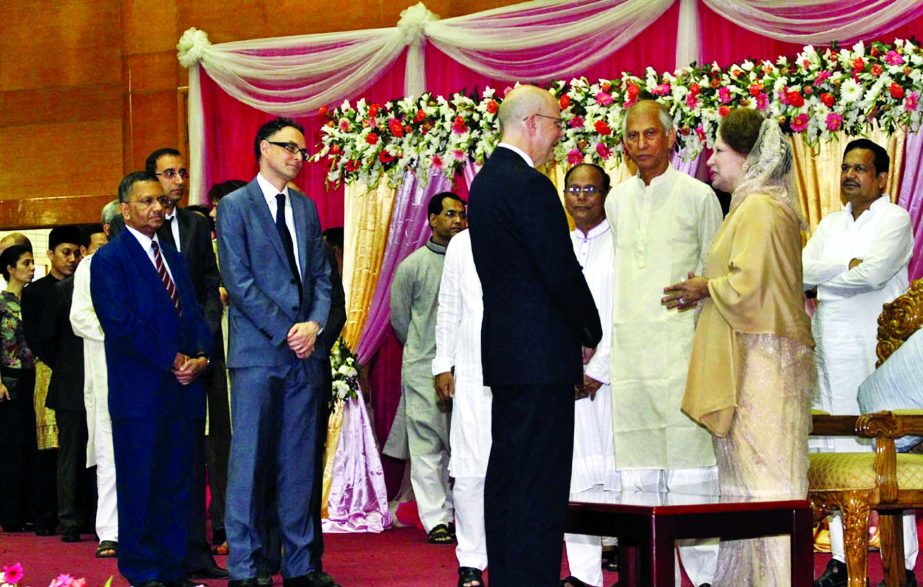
(166, 235)
(287, 244)
(165, 277)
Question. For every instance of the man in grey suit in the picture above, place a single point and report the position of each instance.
(278, 279)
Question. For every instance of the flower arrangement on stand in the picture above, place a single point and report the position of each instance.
(345, 372)
(816, 94)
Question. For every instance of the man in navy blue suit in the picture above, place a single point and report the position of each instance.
(157, 345)
(277, 276)
(538, 311)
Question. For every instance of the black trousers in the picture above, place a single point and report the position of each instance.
(218, 441)
(198, 552)
(528, 482)
(17, 448)
(76, 485)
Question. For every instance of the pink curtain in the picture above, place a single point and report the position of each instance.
(912, 196)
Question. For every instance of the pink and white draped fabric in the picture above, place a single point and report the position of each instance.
(911, 198)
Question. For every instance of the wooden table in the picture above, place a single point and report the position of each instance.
(648, 524)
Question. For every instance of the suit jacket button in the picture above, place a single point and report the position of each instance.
(293, 282)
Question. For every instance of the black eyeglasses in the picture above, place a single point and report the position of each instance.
(291, 148)
(172, 173)
(576, 190)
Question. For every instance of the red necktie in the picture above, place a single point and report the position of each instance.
(165, 277)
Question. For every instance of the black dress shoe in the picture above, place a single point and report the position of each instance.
(70, 534)
(214, 572)
(834, 575)
(312, 579)
(44, 531)
(251, 582)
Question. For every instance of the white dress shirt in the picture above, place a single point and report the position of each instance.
(269, 194)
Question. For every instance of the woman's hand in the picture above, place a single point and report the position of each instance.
(685, 294)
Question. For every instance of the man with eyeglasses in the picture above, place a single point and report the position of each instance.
(585, 189)
(277, 276)
(662, 223)
(538, 312)
(157, 346)
(190, 234)
(424, 428)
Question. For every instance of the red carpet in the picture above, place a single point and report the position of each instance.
(396, 558)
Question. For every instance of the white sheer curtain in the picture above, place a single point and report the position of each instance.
(816, 21)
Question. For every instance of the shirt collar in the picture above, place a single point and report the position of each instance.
(519, 152)
(884, 200)
(598, 230)
(435, 247)
(659, 180)
(269, 191)
(144, 240)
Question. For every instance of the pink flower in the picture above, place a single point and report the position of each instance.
(459, 154)
(724, 94)
(762, 102)
(821, 77)
(912, 101)
(662, 90)
(507, 90)
(574, 156)
(799, 123)
(12, 574)
(893, 58)
(81, 582)
(834, 122)
(692, 101)
(436, 162)
(576, 122)
(459, 126)
(603, 151)
(700, 132)
(603, 99)
(64, 580)
(344, 125)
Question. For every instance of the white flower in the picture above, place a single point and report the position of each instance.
(850, 91)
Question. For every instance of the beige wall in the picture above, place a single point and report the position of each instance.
(89, 87)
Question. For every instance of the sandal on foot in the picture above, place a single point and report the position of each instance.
(440, 535)
(107, 549)
(572, 581)
(469, 577)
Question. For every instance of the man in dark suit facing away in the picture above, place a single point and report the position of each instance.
(538, 312)
(157, 344)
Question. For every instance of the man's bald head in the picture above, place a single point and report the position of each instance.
(15, 238)
(530, 120)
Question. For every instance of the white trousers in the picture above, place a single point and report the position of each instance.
(699, 557)
(911, 546)
(429, 479)
(468, 496)
(107, 511)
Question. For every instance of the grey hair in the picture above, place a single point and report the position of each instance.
(520, 103)
(663, 113)
(109, 212)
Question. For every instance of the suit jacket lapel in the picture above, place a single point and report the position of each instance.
(145, 268)
(185, 231)
(299, 214)
(264, 219)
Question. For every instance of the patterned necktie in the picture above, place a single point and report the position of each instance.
(165, 277)
(286, 237)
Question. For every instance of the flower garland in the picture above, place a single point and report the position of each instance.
(344, 370)
(818, 94)
(13, 575)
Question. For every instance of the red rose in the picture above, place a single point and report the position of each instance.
(875, 52)
(632, 90)
(694, 89)
(795, 99)
(897, 92)
(385, 156)
(335, 149)
(877, 70)
(858, 64)
(352, 165)
(755, 89)
(602, 128)
(421, 115)
(459, 126)
(605, 86)
(373, 110)
(395, 126)
(371, 138)
(828, 99)
(723, 111)
(564, 101)
(322, 111)
(492, 106)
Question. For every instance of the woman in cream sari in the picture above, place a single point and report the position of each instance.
(751, 374)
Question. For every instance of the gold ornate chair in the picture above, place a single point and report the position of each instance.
(886, 481)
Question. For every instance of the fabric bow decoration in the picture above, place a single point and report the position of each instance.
(192, 46)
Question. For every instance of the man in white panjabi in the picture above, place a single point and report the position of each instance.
(662, 223)
(585, 190)
(96, 399)
(857, 259)
(459, 377)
